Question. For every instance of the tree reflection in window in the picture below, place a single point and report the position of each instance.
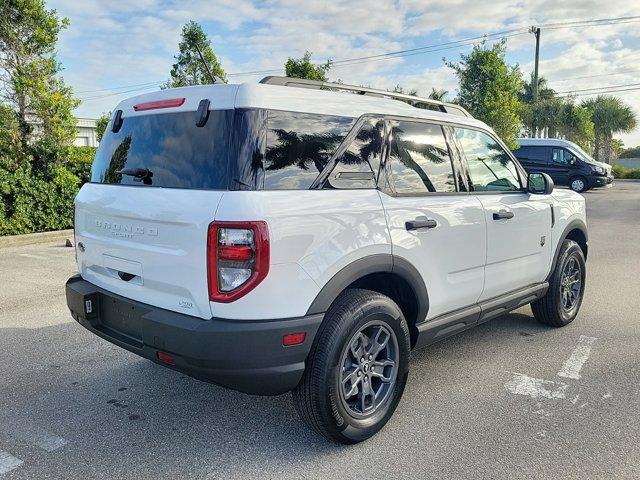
(490, 167)
(299, 146)
(419, 158)
(118, 161)
(358, 165)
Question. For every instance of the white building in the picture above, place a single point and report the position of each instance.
(86, 135)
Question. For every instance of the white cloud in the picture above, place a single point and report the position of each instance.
(110, 44)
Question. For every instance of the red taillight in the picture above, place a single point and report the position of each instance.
(235, 253)
(238, 258)
(172, 102)
(293, 339)
(165, 357)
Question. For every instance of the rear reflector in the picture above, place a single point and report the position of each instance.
(293, 339)
(165, 357)
(172, 102)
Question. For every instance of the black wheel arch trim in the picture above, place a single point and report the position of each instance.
(378, 263)
(575, 224)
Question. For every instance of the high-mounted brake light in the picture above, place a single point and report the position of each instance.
(238, 258)
(172, 102)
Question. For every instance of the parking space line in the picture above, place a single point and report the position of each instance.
(8, 462)
(46, 441)
(536, 387)
(31, 255)
(579, 356)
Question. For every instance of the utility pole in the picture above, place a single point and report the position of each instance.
(536, 32)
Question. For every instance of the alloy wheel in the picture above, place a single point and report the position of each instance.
(369, 369)
(570, 284)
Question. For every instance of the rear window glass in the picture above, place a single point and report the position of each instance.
(176, 152)
(299, 146)
(419, 158)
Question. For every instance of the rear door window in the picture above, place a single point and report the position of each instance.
(419, 160)
(299, 146)
(177, 153)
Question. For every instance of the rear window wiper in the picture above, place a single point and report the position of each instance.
(140, 174)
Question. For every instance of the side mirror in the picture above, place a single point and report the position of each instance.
(539, 183)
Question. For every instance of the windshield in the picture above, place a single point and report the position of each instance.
(582, 154)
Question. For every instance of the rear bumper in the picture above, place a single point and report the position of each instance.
(243, 355)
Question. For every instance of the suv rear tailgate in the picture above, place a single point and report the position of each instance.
(147, 244)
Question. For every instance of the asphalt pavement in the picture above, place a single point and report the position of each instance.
(509, 399)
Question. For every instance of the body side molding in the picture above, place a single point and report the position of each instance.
(448, 324)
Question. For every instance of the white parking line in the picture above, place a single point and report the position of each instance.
(535, 387)
(573, 365)
(8, 462)
(46, 441)
(30, 255)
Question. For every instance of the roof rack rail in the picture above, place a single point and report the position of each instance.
(418, 102)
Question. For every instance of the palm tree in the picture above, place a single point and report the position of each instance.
(544, 91)
(438, 94)
(609, 115)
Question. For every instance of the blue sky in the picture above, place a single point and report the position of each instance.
(115, 49)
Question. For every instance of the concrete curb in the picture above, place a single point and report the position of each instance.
(34, 238)
(630, 180)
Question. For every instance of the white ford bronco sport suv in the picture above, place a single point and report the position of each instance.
(306, 236)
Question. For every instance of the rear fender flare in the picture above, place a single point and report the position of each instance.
(380, 263)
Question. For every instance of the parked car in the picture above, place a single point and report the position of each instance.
(564, 161)
(268, 238)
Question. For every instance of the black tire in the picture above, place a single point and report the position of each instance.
(319, 397)
(574, 184)
(551, 309)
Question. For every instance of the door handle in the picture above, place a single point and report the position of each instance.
(503, 215)
(420, 223)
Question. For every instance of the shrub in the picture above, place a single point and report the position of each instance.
(32, 201)
(625, 173)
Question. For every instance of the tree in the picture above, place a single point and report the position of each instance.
(631, 152)
(303, 68)
(399, 89)
(28, 77)
(544, 91)
(188, 68)
(559, 118)
(609, 115)
(576, 124)
(438, 94)
(101, 125)
(489, 89)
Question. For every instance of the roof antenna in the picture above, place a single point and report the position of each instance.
(213, 79)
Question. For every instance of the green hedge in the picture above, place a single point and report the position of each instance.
(621, 172)
(41, 200)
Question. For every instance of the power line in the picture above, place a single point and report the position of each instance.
(567, 79)
(120, 87)
(582, 94)
(600, 88)
(404, 53)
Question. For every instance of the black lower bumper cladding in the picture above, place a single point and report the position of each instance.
(244, 355)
